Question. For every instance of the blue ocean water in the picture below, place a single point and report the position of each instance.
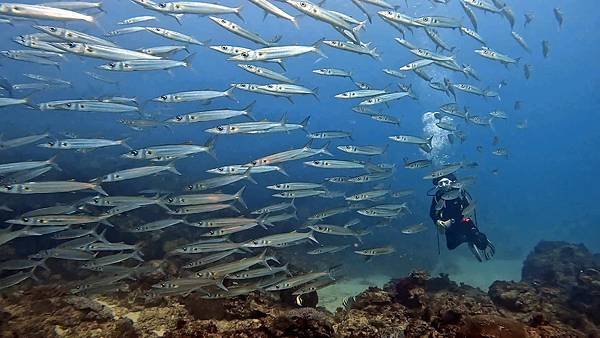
(544, 189)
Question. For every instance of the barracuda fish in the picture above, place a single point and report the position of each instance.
(400, 18)
(300, 193)
(527, 70)
(270, 8)
(499, 114)
(266, 73)
(205, 198)
(426, 54)
(328, 249)
(157, 225)
(201, 8)
(559, 16)
(41, 45)
(57, 220)
(324, 15)
(107, 246)
(197, 95)
(74, 5)
(443, 171)
(376, 252)
(261, 272)
(279, 240)
(384, 98)
(438, 21)
(545, 48)
(336, 164)
(276, 53)
(520, 40)
(244, 33)
(33, 56)
(367, 195)
(83, 144)
(274, 208)
(356, 94)
(418, 164)
(23, 264)
(19, 166)
(216, 182)
(102, 52)
(202, 208)
(24, 176)
(293, 282)
(295, 186)
(112, 259)
(221, 271)
(287, 89)
(210, 259)
(362, 150)
(483, 5)
(467, 88)
(21, 141)
(234, 51)
(16, 278)
(411, 139)
(73, 36)
(394, 73)
(126, 30)
(237, 169)
(95, 106)
(437, 39)
(473, 34)
(42, 13)
(354, 48)
(470, 14)
(137, 19)
(175, 150)
(289, 155)
(147, 65)
(370, 178)
(492, 55)
(328, 213)
(163, 51)
(129, 174)
(417, 64)
(414, 229)
(173, 35)
(205, 247)
(336, 230)
(333, 72)
(228, 230)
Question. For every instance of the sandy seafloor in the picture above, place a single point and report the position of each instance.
(460, 269)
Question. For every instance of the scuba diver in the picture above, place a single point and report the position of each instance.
(446, 211)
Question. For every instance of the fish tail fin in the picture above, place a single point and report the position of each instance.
(281, 170)
(229, 94)
(248, 177)
(294, 20)
(53, 164)
(97, 187)
(238, 13)
(247, 111)
(324, 150)
(210, 147)
(171, 168)
(123, 142)
(137, 255)
(317, 47)
(304, 123)
(101, 237)
(239, 198)
(286, 269)
(188, 60)
(178, 17)
(232, 207)
(311, 236)
(293, 205)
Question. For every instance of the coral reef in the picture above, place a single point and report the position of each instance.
(558, 296)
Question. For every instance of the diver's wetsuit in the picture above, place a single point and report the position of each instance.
(462, 229)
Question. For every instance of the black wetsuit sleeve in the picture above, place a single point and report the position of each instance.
(432, 212)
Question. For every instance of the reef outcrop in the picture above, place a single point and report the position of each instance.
(558, 296)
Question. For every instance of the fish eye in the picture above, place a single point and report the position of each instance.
(316, 162)
(179, 118)
(221, 169)
(149, 152)
(245, 54)
(112, 65)
(51, 144)
(8, 187)
(69, 105)
(162, 5)
(164, 97)
(190, 187)
(53, 29)
(25, 219)
(224, 48)
(223, 21)
(134, 152)
(219, 128)
(64, 144)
